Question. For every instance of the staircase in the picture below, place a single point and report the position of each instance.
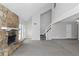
(42, 37)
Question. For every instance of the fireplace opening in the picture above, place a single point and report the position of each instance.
(11, 37)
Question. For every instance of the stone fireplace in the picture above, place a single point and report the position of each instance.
(9, 31)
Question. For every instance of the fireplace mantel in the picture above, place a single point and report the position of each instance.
(8, 28)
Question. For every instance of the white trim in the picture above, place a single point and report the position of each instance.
(62, 39)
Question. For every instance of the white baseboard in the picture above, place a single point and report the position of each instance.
(65, 38)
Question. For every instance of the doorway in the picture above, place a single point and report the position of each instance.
(68, 30)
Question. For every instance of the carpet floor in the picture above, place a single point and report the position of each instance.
(48, 48)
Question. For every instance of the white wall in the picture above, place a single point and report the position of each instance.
(36, 27)
(36, 20)
(22, 29)
(45, 20)
(28, 27)
(59, 31)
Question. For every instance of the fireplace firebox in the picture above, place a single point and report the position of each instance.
(11, 37)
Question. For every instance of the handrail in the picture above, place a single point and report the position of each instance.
(48, 28)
